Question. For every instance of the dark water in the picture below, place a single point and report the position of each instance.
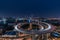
(22, 8)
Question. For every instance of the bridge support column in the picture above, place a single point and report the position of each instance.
(44, 36)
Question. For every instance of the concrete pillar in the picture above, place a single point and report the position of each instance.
(44, 36)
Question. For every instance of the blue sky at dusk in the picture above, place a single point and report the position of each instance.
(40, 8)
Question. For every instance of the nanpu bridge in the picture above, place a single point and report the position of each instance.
(25, 29)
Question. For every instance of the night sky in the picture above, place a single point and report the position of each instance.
(22, 8)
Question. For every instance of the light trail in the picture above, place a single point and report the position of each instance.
(42, 30)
